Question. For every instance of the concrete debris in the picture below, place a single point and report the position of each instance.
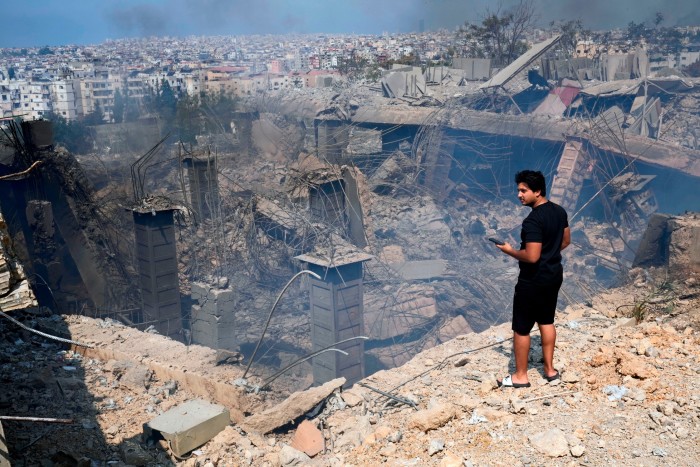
(292, 408)
(15, 291)
(187, 426)
(308, 439)
(551, 443)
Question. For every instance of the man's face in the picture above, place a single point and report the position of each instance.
(526, 196)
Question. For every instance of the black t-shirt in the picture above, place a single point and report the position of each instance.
(545, 224)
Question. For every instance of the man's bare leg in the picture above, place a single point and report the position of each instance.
(549, 338)
(521, 348)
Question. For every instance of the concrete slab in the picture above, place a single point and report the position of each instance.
(188, 426)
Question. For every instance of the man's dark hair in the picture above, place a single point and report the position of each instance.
(534, 180)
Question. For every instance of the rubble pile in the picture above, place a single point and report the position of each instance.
(628, 360)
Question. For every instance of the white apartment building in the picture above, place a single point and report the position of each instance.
(65, 98)
(34, 100)
(98, 91)
(9, 98)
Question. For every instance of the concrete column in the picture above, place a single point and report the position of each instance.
(336, 315)
(437, 163)
(243, 122)
(212, 319)
(204, 187)
(309, 135)
(332, 138)
(156, 255)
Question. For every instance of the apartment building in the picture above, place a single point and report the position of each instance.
(34, 99)
(64, 96)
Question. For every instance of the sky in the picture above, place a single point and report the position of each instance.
(37, 23)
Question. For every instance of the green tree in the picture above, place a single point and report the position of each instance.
(74, 135)
(571, 31)
(119, 107)
(501, 35)
(166, 101)
(96, 117)
(635, 31)
(46, 50)
(132, 111)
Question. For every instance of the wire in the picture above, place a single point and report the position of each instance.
(272, 310)
(43, 334)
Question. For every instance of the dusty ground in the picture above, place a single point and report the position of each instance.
(627, 395)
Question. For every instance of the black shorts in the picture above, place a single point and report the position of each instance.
(532, 304)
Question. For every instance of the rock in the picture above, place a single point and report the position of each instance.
(382, 432)
(227, 357)
(461, 361)
(136, 378)
(570, 377)
(682, 433)
(659, 452)
(551, 443)
(630, 365)
(395, 437)
(426, 420)
(666, 408)
(578, 450)
(134, 454)
(517, 406)
(636, 394)
(436, 445)
(656, 416)
(290, 456)
(351, 398)
(642, 346)
(451, 460)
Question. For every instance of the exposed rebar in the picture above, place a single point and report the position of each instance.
(311, 355)
(272, 310)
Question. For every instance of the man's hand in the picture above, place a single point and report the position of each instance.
(531, 253)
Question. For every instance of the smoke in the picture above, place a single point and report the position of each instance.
(604, 14)
(140, 20)
(211, 17)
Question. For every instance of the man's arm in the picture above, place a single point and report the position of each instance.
(531, 253)
(566, 241)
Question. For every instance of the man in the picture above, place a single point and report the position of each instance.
(545, 232)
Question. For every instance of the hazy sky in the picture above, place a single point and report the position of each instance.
(55, 22)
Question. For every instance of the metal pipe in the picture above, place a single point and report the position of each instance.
(43, 334)
(390, 396)
(36, 419)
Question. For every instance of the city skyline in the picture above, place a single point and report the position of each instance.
(82, 22)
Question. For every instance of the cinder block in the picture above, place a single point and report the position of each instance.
(222, 295)
(188, 426)
(198, 291)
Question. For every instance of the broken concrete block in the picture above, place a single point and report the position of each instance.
(292, 408)
(308, 439)
(188, 425)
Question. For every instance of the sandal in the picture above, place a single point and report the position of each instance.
(554, 377)
(507, 382)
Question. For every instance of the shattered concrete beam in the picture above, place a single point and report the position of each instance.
(654, 152)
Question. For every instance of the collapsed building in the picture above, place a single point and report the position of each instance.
(384, 193)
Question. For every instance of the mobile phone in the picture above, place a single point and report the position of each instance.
(497, 241)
